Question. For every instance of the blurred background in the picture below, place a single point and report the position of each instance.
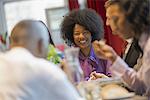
(51, 12)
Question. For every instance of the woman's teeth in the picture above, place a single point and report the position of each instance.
(82, 41)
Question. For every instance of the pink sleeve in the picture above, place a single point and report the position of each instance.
(130, 77)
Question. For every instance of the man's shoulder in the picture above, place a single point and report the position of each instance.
(22, 59)
(48, 66)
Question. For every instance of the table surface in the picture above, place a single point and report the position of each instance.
(138, 98)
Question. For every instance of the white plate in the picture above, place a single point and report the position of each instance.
(129, 95)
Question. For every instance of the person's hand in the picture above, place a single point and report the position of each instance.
(63, 65)
(94, 76)
(104, 51)
(74, 72)
(68, 71)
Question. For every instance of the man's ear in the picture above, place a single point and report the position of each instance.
(11, 44)
(40, 50)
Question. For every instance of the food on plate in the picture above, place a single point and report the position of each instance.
(102, 42)
(114, 91)
(94, 75)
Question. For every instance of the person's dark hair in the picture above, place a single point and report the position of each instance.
(50, 38)
(87, 18)
(137, 13)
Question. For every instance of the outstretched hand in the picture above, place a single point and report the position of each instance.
(94, 76)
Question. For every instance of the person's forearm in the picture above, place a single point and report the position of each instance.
(118, 67)
(129, 76)
(133, 81)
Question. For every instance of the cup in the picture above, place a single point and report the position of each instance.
(72, 59)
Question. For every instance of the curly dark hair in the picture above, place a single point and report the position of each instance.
(87, 18)
(137, 13)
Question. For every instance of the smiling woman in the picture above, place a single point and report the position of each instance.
(80, 28)
(82, 37)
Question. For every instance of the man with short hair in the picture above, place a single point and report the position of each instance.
(25, 75)
(32, 35)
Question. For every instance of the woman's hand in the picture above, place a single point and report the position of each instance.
(104, 51)
(94, 76)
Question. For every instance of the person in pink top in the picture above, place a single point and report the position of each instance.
(134, 19)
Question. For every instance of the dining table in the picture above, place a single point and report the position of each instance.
(91, 90)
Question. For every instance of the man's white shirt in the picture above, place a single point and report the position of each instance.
(25, 77)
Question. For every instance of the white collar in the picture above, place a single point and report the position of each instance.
(129, 40)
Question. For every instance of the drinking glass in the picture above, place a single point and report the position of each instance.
(72, 59)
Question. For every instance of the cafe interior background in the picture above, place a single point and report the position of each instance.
(50, 12)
